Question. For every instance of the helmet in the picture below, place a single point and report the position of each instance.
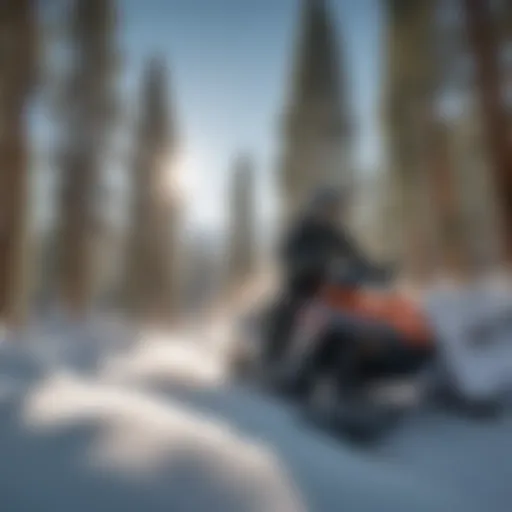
(326, 197)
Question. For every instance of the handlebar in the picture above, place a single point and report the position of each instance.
(359, 275)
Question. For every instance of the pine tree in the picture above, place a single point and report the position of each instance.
(151, 278)
(18, 61)
(242, 229)
(87, 111)
(410, 93)
(317, 122)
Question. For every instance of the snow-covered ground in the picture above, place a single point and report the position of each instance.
(156, 426)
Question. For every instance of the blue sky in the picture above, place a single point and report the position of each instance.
(228, 68)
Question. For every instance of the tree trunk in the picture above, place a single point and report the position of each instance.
(17, 74)
(88, 112)
(484, 42)
(452, 243)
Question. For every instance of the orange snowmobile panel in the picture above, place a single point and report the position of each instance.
(389, 308)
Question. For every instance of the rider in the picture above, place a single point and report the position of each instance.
(309, 248)
(317, 239)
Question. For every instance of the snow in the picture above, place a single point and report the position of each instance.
(107, 423)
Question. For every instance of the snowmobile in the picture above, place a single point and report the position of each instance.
(396, 333)
(362, 354)
(359, 353)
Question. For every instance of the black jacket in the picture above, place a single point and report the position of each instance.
(309, 248)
